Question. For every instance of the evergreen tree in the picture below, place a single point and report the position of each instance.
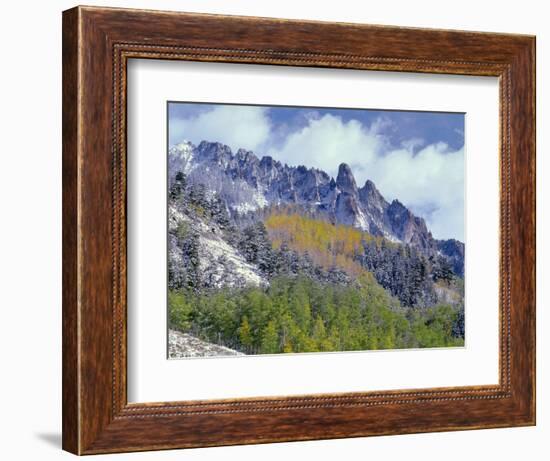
(190, 251)
(179, 186)
(270, 339)
(458, 324)
(245, 335)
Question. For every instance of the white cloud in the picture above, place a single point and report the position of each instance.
(245, 127)
(328, 141)
(432, 179)
(413, 144)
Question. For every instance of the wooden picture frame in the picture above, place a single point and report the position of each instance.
(97, 43)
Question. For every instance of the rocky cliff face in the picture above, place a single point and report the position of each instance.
(454, 252)
(247, 183)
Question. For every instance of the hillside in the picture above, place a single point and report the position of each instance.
(327, 244)
(404, 271)
(286, 279)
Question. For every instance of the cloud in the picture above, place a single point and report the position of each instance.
(412, 144)
(245, 127)
(328, 141)
(430, 181)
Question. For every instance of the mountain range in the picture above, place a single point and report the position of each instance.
(247, 183)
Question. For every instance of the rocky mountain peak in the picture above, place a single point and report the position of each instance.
(245, 155)
(370, 195)
(268, 162)
(215, 151)
(182, 146)
(370, 189)
(345, 180)
(409, 228)
(398, 211)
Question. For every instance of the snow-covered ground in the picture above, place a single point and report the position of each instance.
(224, 265)
(182, 345)
(220, 263)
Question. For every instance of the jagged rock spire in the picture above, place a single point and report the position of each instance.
(345, 180)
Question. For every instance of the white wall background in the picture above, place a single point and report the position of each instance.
(30, 228)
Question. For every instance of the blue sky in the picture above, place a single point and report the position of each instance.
(416, 157)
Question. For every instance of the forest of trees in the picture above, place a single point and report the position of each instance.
(301, 315)
(401, 269)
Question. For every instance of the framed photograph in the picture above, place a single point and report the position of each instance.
(281, 230)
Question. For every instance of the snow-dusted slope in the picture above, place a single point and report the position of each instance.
(183, 345)
(223, 265)
(220, 264)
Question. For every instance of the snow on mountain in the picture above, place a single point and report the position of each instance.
(230, 269)
(180, 158)
(247, 183)
(219, 263)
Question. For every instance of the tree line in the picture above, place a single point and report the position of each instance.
(297, 314)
